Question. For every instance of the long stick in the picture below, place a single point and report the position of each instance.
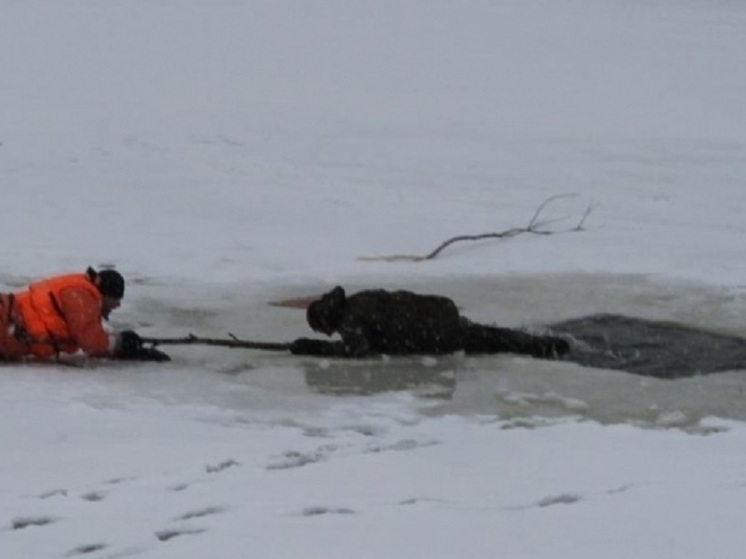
(191, 339)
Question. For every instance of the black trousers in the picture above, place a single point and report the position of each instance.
(478, 338)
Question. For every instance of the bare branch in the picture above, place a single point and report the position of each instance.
(588, 210)
(534, 223)
(535, 227)
(232, 341)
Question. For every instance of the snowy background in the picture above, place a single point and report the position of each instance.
(227, 153)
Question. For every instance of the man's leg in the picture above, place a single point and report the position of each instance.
(478, 338)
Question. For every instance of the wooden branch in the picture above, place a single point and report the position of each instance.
(232, 342)
(535, 227)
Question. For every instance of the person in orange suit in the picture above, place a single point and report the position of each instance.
(64, 314)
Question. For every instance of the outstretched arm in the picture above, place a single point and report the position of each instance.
(319, 348)
(354, 343)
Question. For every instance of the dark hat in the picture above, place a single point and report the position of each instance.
(325, 315)
(111, 283)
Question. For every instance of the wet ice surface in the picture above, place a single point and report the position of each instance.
(273, 387)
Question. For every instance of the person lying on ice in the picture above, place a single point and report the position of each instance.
(401, 323)
(63, 314)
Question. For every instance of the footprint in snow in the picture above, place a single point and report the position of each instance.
(210, 469)
(201, 513)
(294, 459)
(571, 498)
(53, 493)
(94, 496)
(171, 533)
(28, 521)
(318, 511)
(564, 499)
(119, 480)
(404, 444)
(215, 468)
(85, 549)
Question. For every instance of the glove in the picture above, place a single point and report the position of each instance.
(149, 354)
(130, 348)
(307, 346)
(128, 343)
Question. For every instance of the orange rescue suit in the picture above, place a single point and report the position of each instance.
(62, 314)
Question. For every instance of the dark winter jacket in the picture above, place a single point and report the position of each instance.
(404, 323)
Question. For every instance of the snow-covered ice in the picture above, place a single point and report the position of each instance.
(227, 153)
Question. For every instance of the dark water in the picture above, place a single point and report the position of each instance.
(650, 347)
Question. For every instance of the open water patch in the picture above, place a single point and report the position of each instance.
(646, 351)
(651, 348)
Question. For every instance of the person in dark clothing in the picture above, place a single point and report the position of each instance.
(403, 323)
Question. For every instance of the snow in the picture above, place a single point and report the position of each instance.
(226, 153)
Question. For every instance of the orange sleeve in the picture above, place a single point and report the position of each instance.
(83, 317)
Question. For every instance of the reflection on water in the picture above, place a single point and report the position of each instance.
(520, 389)
(426, 377)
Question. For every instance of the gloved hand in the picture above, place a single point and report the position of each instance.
(130, 348)
(307, 346)
(128, 343)
(149, 354)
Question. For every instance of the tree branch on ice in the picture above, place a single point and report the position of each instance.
(537, 226)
